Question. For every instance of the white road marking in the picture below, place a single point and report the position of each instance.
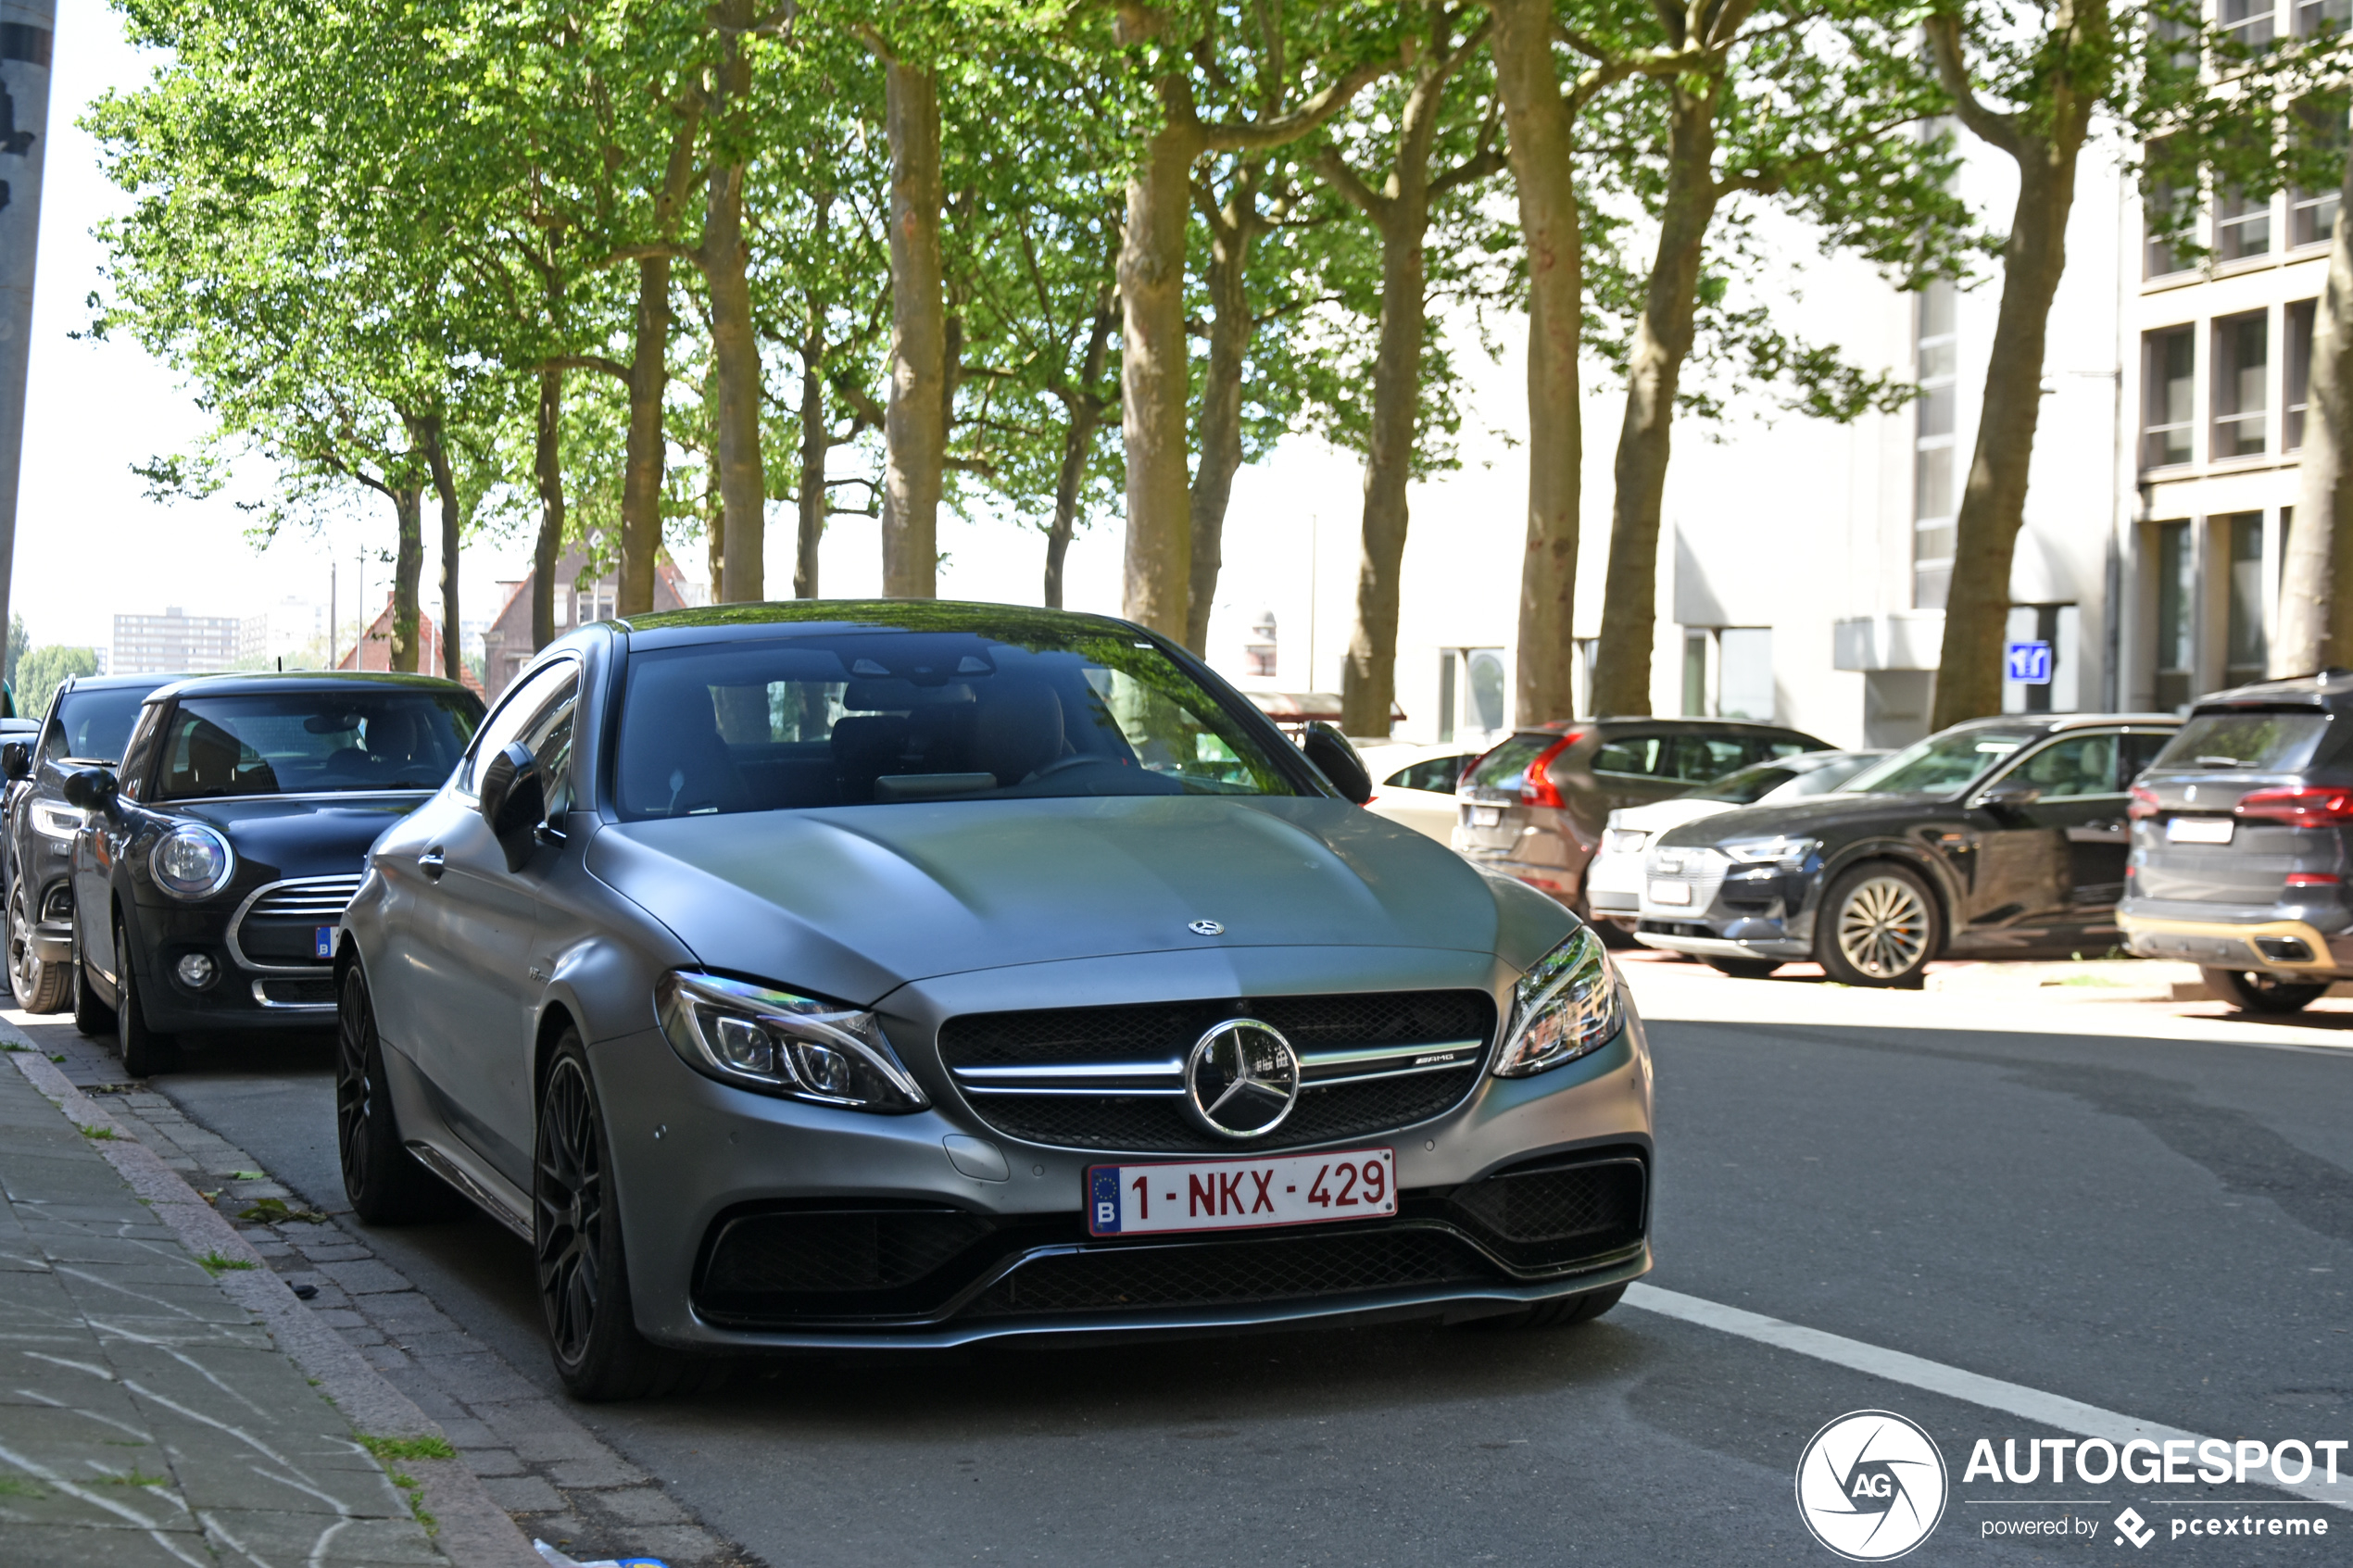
(2013, 1398)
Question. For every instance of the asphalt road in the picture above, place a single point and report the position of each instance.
(2160, 1229)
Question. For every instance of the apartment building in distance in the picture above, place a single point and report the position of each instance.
(174, 640)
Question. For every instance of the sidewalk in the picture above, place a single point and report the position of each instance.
(165, 1399)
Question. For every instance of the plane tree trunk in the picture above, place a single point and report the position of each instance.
(915, 423)
(547, 469)
(2316, 587)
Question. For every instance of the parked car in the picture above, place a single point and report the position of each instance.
(2000, 836)
(89, 718)
(1614, 881)
(895, 974)
(2240, 847)
(1414, 785)
(213, 865)
(1533, 806)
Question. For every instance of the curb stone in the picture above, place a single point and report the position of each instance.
(472, 1531)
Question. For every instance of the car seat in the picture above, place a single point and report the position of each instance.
(675, 764)
(1019, 731)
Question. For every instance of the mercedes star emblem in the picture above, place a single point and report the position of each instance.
(1240, 1080)
(1207, 928)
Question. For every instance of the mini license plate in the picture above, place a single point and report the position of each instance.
(1487, 816)
(1234, 1195)
(1670, 893)
(2198, 830)
(324, 941)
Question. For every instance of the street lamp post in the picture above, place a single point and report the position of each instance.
(26, 28)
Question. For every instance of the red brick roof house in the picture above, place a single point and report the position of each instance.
(581, 599)
(374, 651)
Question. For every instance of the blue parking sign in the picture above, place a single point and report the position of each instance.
(2028, 663)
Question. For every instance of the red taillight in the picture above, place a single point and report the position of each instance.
(2311, 879)
(2301, 806)
(1536, 788)
(2143, 802)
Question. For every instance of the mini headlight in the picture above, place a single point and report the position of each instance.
(1566, 1007)
(192, 861)
(1756, 851)
(782, 1044)
(56, 821)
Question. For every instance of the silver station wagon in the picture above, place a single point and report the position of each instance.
(909, 974)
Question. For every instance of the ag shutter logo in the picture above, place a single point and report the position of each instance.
(1871, 1485)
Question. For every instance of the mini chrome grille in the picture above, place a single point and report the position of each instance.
(275, 930)
(323, 898)
(1112, 1078)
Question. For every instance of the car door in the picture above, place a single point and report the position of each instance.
(2057, 861)
(105, 835)
(464, 935)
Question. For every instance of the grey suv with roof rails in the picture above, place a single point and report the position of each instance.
(2240, 844)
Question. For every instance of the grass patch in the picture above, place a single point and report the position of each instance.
(12, 1046)
(215, 1263)
(16, 1486)
(57, 1057)
(248, 1176)
(98, 1134)
(408, 1448)
(275, 1211)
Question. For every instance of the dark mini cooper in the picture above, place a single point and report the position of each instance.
(1997, 836)
(213, 866)
(2240, 844)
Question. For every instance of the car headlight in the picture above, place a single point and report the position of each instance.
(1777, 848)
(56, 821)
(1566, 1007)
(782, 1044)
(192, 861)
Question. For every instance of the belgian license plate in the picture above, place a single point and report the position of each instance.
(1487, 816)
(1670, 893)
(1235, 1195)
(2198, 830)
(324, 941)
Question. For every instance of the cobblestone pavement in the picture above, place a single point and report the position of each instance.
(557, 1480)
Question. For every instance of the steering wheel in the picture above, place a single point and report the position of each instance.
(1064, 764)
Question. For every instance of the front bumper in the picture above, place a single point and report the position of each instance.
(239, 998)
(1009, 1258)
(2266, 940)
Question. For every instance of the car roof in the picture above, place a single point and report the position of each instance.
(2052, 723)
(2329, 687)
(261, 682)
(812, 617)
(148, 679)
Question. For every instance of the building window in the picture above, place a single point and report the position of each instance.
(2299, 374)
(1935, 415)
(1694, 674)
(2171, 371)
(2160, 199)
(2249, 23)
(2241, 370)
(2242, 225)
(2313, 16)
(1744, 674)
(2244, 646)
(2176, 600)
(2322, 125)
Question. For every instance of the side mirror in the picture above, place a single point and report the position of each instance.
(15, 758)
(93, 789)
(514, 801)
(2010, 794)
(1338, 761)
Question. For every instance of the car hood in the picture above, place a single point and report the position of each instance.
(880, 896)
(1660, 815)
(304, 836)
(1806, 819)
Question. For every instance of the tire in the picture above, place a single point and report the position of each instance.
(91, 1016)
(1879, 926)
(146, 1051)
(38, 986)
(2252, 991)
(384, 1181)
(1746, 969)
(1565, 1312)
(580, 1264)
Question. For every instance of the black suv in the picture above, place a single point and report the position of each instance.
(2240, 844)
(2000, 836)
(89, 719)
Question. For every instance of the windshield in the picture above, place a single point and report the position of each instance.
(860, 718)
(2268, 743)
(91, 726)
(310, 741)
(1940, 764)
(1748, 785)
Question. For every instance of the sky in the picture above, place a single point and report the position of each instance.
(91, 543)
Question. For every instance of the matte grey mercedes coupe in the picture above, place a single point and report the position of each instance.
(910, 974)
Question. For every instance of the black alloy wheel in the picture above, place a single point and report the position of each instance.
(38, 986)
(2253, 991)
(1563, 1312)
(91, 1016)
(1880, 925)
(583, 1271)
(146, 1051)
(1746, 969)
(386, 1184)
